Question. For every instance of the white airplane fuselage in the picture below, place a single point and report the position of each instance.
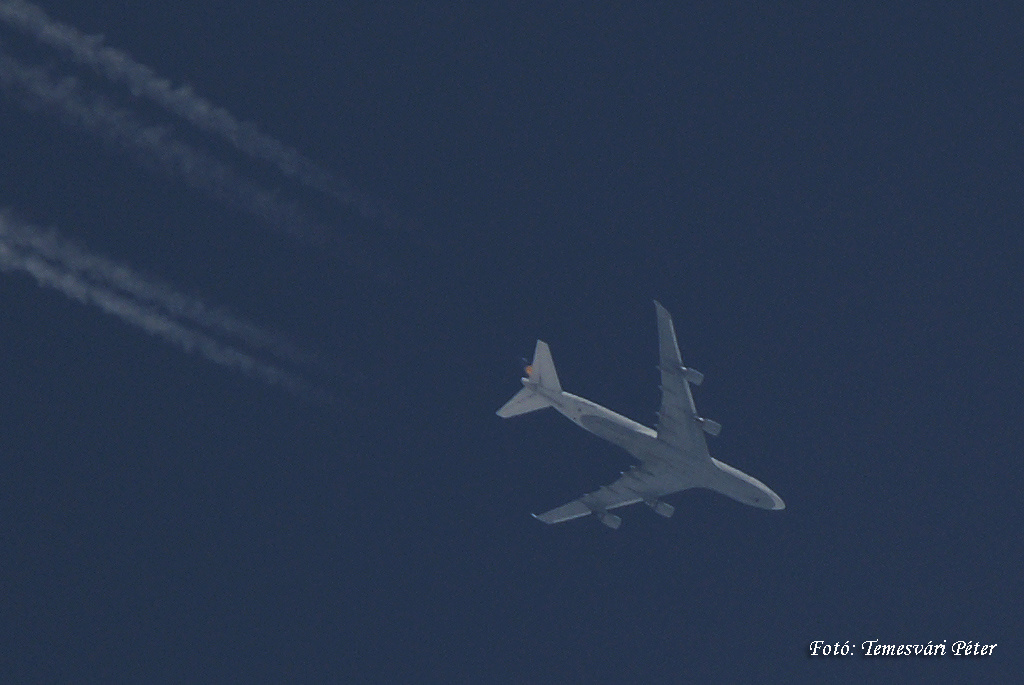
(688, 470)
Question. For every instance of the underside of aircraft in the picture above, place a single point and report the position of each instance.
(672, 457)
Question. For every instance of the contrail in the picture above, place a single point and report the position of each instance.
(148, 291)
(119, 67)
(73, 284)
(34, 87)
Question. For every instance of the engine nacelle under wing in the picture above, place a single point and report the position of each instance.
(661, 508)
(710, 427)
(693, 375)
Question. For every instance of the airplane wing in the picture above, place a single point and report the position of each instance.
(635, 485)
(678, 422)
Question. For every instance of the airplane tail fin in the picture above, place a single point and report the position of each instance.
(540, 373)
(542, 370)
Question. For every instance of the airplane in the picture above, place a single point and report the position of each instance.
(673, 457)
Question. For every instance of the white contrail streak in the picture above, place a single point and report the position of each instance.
(34, 87)
(19, 257)
(146, 290)
(119, 67)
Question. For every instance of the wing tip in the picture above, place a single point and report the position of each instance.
(662, 313)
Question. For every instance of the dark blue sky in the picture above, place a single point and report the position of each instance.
(828, 201)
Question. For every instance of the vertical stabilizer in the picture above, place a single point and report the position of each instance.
(542, 370)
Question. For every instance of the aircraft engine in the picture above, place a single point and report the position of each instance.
(693, 375)
(710, 427)
(662, 508)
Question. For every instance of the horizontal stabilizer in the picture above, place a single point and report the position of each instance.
(526, 400)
